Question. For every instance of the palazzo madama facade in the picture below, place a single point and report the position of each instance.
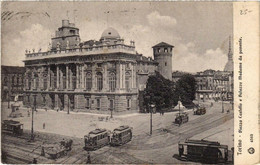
(98, 75)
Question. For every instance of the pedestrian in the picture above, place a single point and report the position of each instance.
(88, 158)
(34, 161)
(43, 125)
(181, 150)
(42, 152)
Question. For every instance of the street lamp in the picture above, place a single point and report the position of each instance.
(151, 118)
(222, 101)
(8, 100)
(68, 105)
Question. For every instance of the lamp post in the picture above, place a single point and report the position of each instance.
(151, 118)
(8, 100)
(222, 101)
(68, 105)
(34, 109)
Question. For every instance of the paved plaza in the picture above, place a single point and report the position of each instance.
(158, 148)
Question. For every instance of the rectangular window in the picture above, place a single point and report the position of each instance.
(98, 104)
(111, 105)
(128, 104)
(87, 103)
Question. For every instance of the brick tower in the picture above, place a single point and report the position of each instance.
(162, 53)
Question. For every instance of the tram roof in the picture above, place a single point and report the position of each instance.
(121, 128)
(203, 143)
(97, 131)
(11, 122)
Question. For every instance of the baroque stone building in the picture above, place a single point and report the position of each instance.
(12, 80)
(93, 75)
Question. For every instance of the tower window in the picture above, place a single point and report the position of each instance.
(159, 50)
(165, 50)
(165, 63)
(72, 31)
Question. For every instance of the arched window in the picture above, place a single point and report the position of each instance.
(127, 80)
(88, 81)
(112, 81)
(99, 81)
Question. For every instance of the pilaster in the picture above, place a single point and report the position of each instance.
(48, 77)
(67, 76)
(58, 76)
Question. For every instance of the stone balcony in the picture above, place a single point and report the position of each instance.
(83, 51)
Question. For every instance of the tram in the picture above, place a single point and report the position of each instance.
(96, 139)
(181, 118)
(121, 135)
(203, 151)
(11, 126)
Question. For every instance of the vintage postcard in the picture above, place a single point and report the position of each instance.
(129, 82)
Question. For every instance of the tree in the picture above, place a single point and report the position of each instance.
(186, 89)
(160, 92)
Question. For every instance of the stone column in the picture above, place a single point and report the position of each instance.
(70, 77)
(118, 84)
(82, 77)
(105, 77)
(58, 76)
(67, 76)
(132, 76)
(77, 76)
(123, 75)
(48, 77)
(94, 78)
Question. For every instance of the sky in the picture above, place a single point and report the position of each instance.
(199, 31)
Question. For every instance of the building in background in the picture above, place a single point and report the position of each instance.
(216, 85)
(101, 75)
(12, 78)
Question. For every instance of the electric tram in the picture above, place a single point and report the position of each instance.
(121, 135)
(96, 139)
(11, 126)
(203, 150)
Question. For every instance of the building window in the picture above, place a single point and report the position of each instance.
(98, 104)
(44, 99)
(87, 103)
(159, 50)
(99, 81)
(165, 63)
(165, 50)
(88, 81)
(12, 79)
(111, 105)
(127, 80)
(45, 80)
(128, 106)
(112, 81)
